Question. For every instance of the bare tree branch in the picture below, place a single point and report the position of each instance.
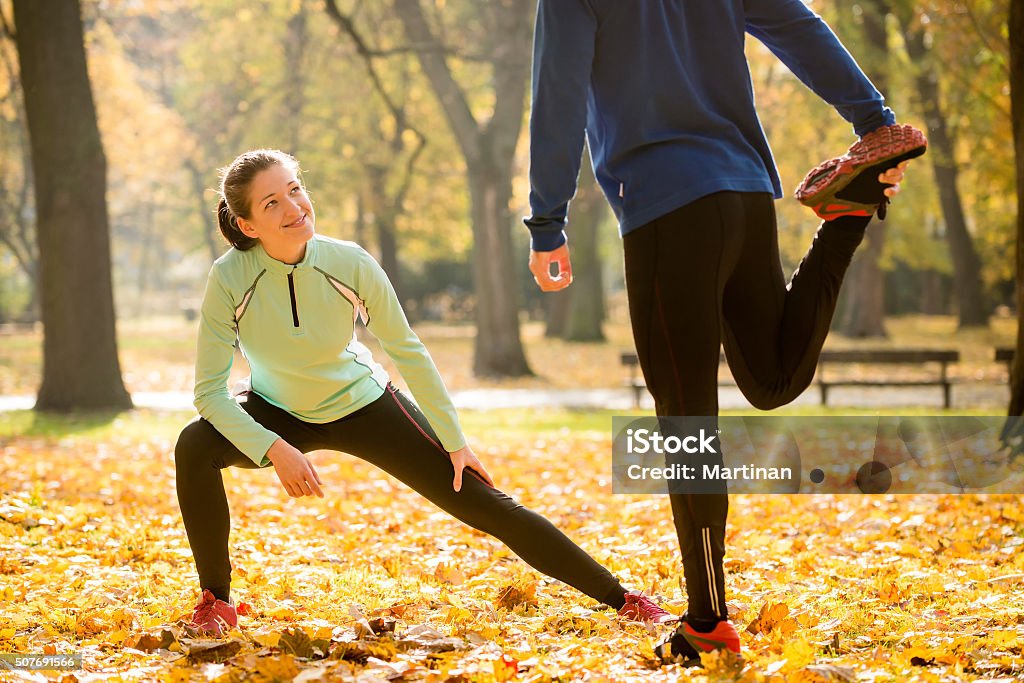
(6, 27)
(414, 49)
(410, 163)
(511, 72)
(346, 24)
(453, 100)
(986, 37)
(406, 49)
(971, 86)
(8, 62)
(18, 236)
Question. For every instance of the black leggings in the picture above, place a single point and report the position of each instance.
(709, 274)
(392, 434)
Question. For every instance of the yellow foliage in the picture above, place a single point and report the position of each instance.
(117, 637)
(267, 638)
(177, 675)
(798, 653)
(773, 617)
(276, 669)
(854, 596)
(457, 615)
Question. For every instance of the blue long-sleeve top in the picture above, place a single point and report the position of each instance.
(662, 90)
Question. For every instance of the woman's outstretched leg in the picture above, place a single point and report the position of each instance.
(393, 434)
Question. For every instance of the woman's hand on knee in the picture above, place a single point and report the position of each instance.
(296, 472)
(463, 458)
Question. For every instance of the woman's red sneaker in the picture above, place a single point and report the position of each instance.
(214, 616)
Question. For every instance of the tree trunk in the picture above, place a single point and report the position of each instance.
(932, 301)
(496, 353)
(389, 252)
(556, 312)
(297, 40)
(360, 226)
(488, 149)
(576, 313)
(1016, 32)
(207, 218)
(973, 309)
(864, 307)
(384, 212)
(147, 258)
(80, 364)
(586, 307)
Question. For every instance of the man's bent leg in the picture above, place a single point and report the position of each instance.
(773, 332)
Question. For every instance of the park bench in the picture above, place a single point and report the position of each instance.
(636, 382)
(916, 357)
(1005, 355)
(941, 357)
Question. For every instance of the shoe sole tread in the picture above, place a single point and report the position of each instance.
(889, 145)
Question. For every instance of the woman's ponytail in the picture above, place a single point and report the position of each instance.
(229, 228)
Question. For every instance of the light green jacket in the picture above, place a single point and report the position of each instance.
(296, 328)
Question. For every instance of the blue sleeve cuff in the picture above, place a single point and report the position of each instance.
(546, 234)
(546, 240)
(885, 117)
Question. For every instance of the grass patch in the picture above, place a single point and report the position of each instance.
(491, 426)
(94, 427)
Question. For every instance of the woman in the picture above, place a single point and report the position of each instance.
(292, 298)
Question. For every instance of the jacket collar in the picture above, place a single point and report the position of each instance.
(275, 266)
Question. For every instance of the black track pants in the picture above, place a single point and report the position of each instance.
(709, 274)
(392, 434)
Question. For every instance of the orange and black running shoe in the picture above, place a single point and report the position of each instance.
(848, 185)
(685, 645)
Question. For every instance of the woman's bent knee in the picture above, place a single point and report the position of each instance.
(194, 444)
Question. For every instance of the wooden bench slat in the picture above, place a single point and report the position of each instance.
(867, 356)
(882, 383)
(889, 356)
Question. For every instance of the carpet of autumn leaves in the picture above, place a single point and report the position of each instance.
(372, 583)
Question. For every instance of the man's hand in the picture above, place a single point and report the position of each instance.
(296, 472)
(540, 266)
(893, 177)
(463, 458)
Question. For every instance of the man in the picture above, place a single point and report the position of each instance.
(662, 90)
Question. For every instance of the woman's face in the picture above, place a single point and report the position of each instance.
(281, 215)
